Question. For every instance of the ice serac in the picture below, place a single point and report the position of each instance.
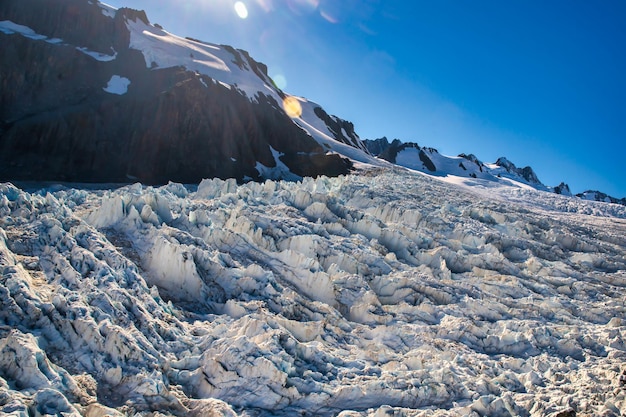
(90, 93)
(378, 294)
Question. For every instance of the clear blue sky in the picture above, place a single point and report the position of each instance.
(542, 82)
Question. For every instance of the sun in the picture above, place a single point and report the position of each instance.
(241, 9)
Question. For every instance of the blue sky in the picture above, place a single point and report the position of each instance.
(540, 82)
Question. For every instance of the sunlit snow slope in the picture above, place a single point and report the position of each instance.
(374, 294)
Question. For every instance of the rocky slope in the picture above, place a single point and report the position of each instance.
(93, 94)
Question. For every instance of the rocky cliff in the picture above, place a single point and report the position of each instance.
(84, 97)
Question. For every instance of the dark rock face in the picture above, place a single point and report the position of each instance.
(472, 158)
(57, 123)
(527, 172)
(563, 189)
(75, 21)
(529, 175)
(389, 151)
(342, 130)
(377, 146)
(428, 163)
(386, 150)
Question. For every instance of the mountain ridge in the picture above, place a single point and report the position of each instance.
(429, 160)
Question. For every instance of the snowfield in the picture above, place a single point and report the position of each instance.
(384, 293)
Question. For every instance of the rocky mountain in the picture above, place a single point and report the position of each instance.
(430, 161)
(600, 196)
(90, 93)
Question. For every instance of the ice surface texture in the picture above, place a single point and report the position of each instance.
(368, 295)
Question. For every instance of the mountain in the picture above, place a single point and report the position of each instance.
(94, 94)
(600, 196)
(383, 293)
(430, 161)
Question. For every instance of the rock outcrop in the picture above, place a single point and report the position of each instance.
(562, 189)
(527, 172)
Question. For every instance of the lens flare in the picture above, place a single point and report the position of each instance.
(292, 107)
(280, 81)
(266, 5)
(329, 17)
(302, 7)
(241, 9)
(331, 11)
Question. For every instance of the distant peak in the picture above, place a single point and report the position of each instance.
(505, 163)
(563, 189)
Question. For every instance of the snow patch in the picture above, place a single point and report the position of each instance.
(107, 10)
(409, 158)
(280, 171)
(97, 55)
(10, 28)
(117, 85)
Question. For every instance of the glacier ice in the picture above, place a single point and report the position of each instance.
(380, 293)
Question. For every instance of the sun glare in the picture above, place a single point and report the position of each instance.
(241, 9)
(292, 107)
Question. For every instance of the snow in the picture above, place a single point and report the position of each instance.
(279, 171)
(594, 196)
(9, 28)
(387, 292)
(161, 49)
(117, 85)
(107, 10)
(316, 127)
(97, 55)
(409, 158)
(459, 170)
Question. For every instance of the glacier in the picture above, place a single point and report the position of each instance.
(381, 293)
